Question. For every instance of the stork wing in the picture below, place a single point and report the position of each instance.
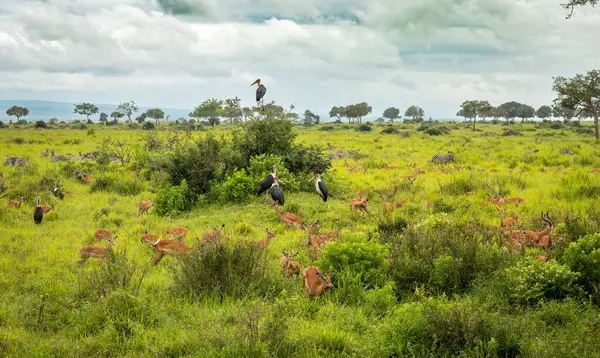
(323, 189)
(260, 92)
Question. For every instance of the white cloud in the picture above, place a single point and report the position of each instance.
(433, 53)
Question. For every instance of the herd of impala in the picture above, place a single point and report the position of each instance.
(171, 241)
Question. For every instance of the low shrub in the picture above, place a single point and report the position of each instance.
(173, 200)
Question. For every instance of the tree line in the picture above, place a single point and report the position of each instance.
(576, 97)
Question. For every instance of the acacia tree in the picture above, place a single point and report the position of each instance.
(128, 109)
(510, 109)
(116, 115)
(474, 108)
(310, 118)
(573, 3)
(544, 112)
(103, 117)
(525, 111)
(581, 92)
(17, 111)
(337, 112)
(157, 114)
(358, 111)
(415, 112)
(391, 113)
(232, 109)
(85, 109)
(210, 110)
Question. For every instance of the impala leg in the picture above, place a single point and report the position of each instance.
(157, 257)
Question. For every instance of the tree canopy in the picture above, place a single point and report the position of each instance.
(474, 108)
(85, 109)
(391, 113)
(17, 111)
(310, 118)
(544, 112)
(415, 112)
(571, 4)
(358, 111)
(338, 112)
(579, 93)
(232, 110)
(155, 113)
(209, 110)
(127, 109)
(525, 112)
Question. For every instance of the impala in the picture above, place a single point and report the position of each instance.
(507, 222)
(177, 232)
(359, 204)
(314, 282)
(46, 208)
(148, 238)
(213, 236)
(168, 247)
(85, 179)
(287, 218)
(96, 251)
(16, 204)
(289, 266)
(103, 234)
(144, 206)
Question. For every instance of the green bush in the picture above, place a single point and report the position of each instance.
(173, 200)
(307, 160)
(237, 188)
(264, 136)
(148, 126)
(366, 258)
(390, 130)
(511, 132)
(532, 281)
(40, 124)
(364, 128)
(583, 257)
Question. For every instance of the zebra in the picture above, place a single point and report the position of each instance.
(567, 151)
(57, 158)
(10, 161)
(443, 158)
(20, 162)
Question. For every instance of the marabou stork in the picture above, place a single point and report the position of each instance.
(38, 213)
(321, 187)
(266, 184)
(57, 192)
(276, 192)
(260, 91)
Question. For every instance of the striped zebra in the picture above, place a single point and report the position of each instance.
(443, 158)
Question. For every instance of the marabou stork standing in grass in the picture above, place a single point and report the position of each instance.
(266, 184)
(260, 91)
(321, 187)
(57, 192)
(38, 213)
(276, 192)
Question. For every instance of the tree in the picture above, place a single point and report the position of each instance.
(564, 113)
(525, 111)
(103, 117)
(310, 118)
(337, 112)
(17, 111)
(510, 109)
(544, 112)
(358, 111)
(496, 113)
(391, 113)
(581, 92)
(116, 116)
(155, 113)
(85, 109)
(474, 108)
(232, 109)
(141, 118)
(209, 110)
(415, 112)
(128, 109)
(570, 6)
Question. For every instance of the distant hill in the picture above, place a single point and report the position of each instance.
(63, 111)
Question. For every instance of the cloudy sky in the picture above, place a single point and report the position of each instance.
(312, 53)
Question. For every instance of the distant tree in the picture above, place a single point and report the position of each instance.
(510, 109)
(128, 109)
(380, 120)
(337, 112)
(564, 113)
(391, 113)
(232, 110)
(157, 114)
(358, 111)
(17, 111)
(474, 108)
(103, 117)
(53, 120)
(415, 112)
(85, 109)
(496, 113)
(209, 110)
(525, 112)
(310, 118)
(544, 112)
(116, 116)
(141, 118)
(581, 92)
(571, 4)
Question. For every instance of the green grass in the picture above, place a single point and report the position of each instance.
(50, 306)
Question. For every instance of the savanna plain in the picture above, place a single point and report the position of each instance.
(429, 271)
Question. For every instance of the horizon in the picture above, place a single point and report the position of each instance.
(176, 53)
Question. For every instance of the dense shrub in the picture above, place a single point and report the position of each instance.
(327, 128)
(583, 257)
(366, 258)
(390, 130)
(511, 132)
(173, 200)
(364, 128)
(237, 188)
(307, 159)
(40, 124)
(532, 281)
(264, 136)
(148, 126)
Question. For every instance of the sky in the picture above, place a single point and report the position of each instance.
(314, 54)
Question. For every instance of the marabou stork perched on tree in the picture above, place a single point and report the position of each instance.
(260, 91)
(276, 192)
(57, 192)
(321, 187)
(38, 213)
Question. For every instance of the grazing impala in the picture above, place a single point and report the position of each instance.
(542, 238)
(96, 251)
(16, 204)
(289, 266)
(85, 179)
(314, 282)
(359, 204)
(168, 247)
(507, 222)
(148, 238)
(515, 200)
(46, 208)
(144, 206)
(213, 236)
(103, 234)
(177, 232)
(287, 218)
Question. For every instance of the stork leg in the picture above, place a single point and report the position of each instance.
(267, 196)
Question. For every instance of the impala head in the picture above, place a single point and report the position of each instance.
(23, 198)
(270, 233)
(325, 279)
(274, 205)
(257, 82)
(548, 220)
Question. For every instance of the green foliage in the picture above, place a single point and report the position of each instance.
(264, 136)
(148, 126)
(17, 111)
(364, 128)
(262, 165)
(581, 92)
(125, 109)
(114, 183)
(583, 257)
(367, 258)
(416, 113)
(209, 110)
(532, 281)
(391, 113)
(86, 109)
(307, 160)
(173, 200)
(40, 124)
(237, 188)
(511, 132)
(390, 130)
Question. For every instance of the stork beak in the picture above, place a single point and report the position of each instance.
(255, 82)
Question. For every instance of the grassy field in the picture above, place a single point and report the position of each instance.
(429, 279)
